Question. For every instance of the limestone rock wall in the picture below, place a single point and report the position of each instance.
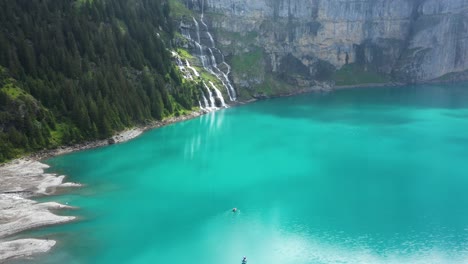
(308, 40)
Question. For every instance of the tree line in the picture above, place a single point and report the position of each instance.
(78, 70)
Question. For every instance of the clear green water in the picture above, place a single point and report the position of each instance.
(355, 176)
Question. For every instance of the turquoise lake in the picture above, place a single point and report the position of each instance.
(354, 176)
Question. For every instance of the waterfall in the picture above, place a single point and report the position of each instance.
(223, 77)
(210, 96)
(211, 64)
(208, 60)
(211, 39)
(186, 73)
(205, 101)
(218, 94)
(209, 104)
(198, 44)
(213, 59)
(195, 72)
(207, 57)
(202, 19)
(177, 58)
(197, 27)
(227, 83)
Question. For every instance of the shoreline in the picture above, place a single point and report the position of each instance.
(131, 133)
(368, 85)
(24, 179)
(324, 89)
(119, 137)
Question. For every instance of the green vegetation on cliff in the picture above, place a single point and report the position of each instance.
(249, 63)
(24, 122)
(354, 74)
(178, 9)
(79, 70)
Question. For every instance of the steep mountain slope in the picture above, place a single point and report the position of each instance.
(76, 70)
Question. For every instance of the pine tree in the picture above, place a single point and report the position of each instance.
(85, 69)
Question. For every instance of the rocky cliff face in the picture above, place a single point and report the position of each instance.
(437, 42)
(300, 42)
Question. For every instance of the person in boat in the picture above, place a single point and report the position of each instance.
(244, 260)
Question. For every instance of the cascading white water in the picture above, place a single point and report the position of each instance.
(177, 58)
(208, 104)
(186, 73)
(210, 96)
(211, 39)
(197, 27)
(209, 62)
(202, 19)
(227, 83)
(198, 44)
(205, 101)
(195, 72)
(218, 94)
(223, 77)
(213, 59)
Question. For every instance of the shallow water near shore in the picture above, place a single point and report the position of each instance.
(354, 176)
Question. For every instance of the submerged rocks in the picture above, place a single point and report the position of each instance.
(22, 179)
(24, 248)
(20, 214)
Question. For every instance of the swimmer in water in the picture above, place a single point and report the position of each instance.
(234, 209)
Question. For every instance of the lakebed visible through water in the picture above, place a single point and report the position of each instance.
(354, 176)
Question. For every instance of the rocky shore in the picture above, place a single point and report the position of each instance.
(24, 248)
(24, 179)
(118, 138)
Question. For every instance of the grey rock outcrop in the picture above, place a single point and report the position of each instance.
(438, 42)
(303, 41)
